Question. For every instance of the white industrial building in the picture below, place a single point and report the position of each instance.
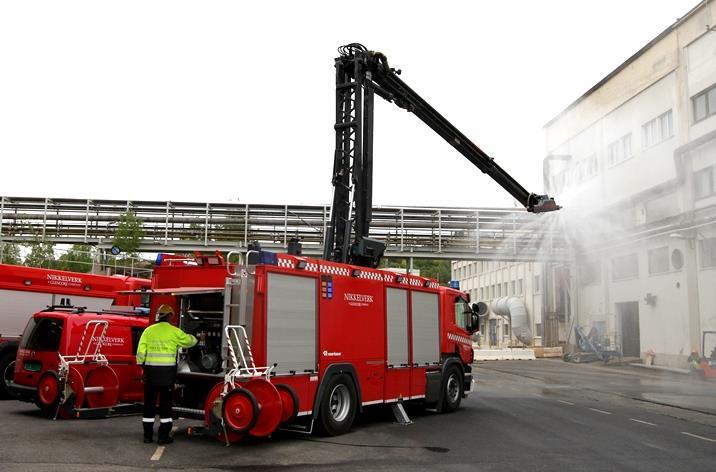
(632, 161)
(489, 281)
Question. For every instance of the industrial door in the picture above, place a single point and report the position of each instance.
(628, 314)
(291, 323)
(397, 374)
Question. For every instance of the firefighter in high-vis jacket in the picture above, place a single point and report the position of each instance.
(157, 353)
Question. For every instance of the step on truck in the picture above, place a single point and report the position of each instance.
(27, 290)
(299, 342)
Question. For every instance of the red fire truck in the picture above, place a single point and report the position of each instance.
(297, 340)
(26, 290)
(286, 339)
(74, 363)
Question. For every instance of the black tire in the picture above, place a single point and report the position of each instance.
(453, 386)
(338, 406)
(6, 374)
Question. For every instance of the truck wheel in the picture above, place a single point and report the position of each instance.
(338, 406)
(452, 389)
(7, 363)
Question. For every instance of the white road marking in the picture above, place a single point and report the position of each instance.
(601, 411)
(158, 453)
(642, 422)
(566, 402)
(699, 437)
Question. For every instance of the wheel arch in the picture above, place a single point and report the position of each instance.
(435, 391)
(336, 369)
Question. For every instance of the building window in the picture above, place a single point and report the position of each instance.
(619, 150)
(659, 260)
(657, 130)
(625, 267)
(512, 288)
(504, 289)
(499, 291)
(537, 285)
(704, 104)
(704, 183)
(519, 286)
(708, 252)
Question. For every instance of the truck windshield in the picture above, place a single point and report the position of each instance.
(42, 334)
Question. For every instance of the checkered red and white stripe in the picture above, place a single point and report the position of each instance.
(285, 262)
(330, 269)
(459, 339)
(371, 275)
(333, 270)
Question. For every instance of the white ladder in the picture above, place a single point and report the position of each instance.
(97, 330)
(243, 366)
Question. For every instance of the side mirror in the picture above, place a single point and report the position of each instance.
(479, 308)
(474, 324)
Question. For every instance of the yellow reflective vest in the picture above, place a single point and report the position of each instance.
(159, 344)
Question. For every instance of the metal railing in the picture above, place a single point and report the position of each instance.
(421, 232)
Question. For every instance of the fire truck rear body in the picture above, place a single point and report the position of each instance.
(394, 335)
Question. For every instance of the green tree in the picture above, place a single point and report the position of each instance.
(438, 269)
(42, 254)
(78, 258)
(10, 253)
(129, 233)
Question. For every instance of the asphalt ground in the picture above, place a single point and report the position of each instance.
(526, 415)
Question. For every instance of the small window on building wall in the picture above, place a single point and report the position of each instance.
(704, 104)
(703, 183)
(512, 288)
(504, 289)
(659, 260)
(625, 267)
(708, 252)
(619, 150)
(657, 130)
(519, 286)
(537, 287)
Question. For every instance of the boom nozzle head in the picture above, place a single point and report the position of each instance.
(542, 204)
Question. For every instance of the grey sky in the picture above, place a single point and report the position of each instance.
(210, 101)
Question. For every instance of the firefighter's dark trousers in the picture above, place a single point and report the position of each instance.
(150, 410)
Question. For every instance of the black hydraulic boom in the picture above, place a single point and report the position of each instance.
(360, 74)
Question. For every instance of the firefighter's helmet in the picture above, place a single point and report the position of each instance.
(164, 312)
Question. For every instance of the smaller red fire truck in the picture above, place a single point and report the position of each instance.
(73, 363)
(26, 290)
(290, 340)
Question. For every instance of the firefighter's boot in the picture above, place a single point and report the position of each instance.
(165, 427)
(148, 430)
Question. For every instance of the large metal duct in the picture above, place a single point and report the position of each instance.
(514, 309)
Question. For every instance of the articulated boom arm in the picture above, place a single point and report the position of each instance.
(359, 74)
